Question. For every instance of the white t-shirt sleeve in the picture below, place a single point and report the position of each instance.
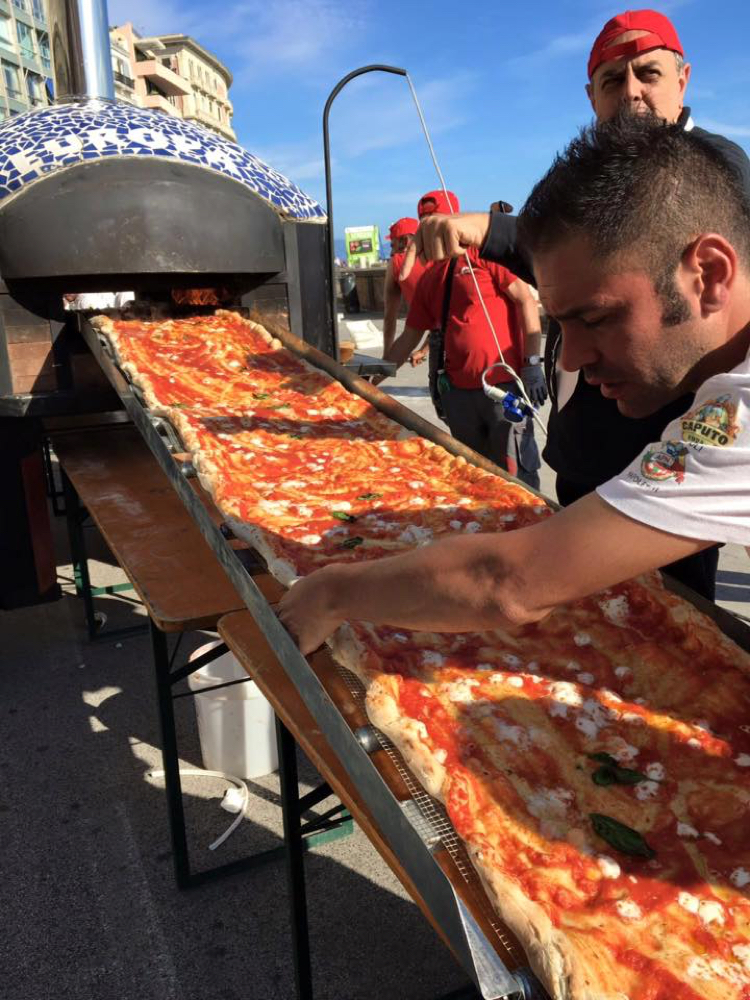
(695, 482)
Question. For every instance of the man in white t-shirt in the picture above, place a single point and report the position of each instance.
(640, 239)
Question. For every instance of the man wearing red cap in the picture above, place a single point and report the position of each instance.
(446, 300)
(637, 64)
(400, 234)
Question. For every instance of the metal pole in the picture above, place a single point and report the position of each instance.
(375, 68)
(81, 55)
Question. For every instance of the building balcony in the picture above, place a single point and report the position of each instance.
(210, 121)
(159, 103)
(124, 80)
(163, 77)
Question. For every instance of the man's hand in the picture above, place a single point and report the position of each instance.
(441, 236)
(534, 383)
(306, 610)
(419, 356)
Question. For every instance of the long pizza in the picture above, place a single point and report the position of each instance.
(595, 764)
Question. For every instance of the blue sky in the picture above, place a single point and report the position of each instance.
(501, 85)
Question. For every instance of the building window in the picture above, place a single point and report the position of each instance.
(37, 7)
(25, 39)
(6, 38)
(10, 74)
(34, 88)
(21, 4)
(44, 50)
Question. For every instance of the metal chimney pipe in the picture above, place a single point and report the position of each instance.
(81, 58)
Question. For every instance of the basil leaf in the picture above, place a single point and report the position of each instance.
(369, 496)
(612, 774)
(621, 837)
(616, 775)
(352, 543)
(278, 406)
(261, 395)
(604, 776)
(297, 436)
(341, 515)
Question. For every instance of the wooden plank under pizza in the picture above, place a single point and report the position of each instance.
(596, 764)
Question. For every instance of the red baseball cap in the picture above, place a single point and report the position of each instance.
(403, 227)
(444, 205)
(661, 35)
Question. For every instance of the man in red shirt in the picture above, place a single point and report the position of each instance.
(446, 298)
(400, 235)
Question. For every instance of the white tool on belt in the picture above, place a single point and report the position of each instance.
(515, 406)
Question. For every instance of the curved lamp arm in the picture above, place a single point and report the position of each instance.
(376, 68)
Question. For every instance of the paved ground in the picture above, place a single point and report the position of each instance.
(90, 910)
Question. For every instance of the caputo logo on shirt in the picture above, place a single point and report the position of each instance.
(713, 422)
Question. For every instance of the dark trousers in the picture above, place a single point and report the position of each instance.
(478, 422)
(697, 571)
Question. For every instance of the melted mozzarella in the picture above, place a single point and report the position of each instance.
(413, 533)
(743, 760)
(461, 691)
(710, 912)
(686, 830)
(740, 877)
(566, 693)
(511, 734)
(516, 682)
(645, 790)
(545, 801)
(582, 639)
(608, 866)
(655, 771)
(628, 910)
(616, 610)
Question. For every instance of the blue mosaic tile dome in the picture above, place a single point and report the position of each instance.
(55, 138)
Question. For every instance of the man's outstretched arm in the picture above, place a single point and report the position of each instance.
(478, 582)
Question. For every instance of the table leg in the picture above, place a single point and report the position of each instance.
(78, 557)
(172, 783)
(290, 805)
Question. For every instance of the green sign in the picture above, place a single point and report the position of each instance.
(362, 245)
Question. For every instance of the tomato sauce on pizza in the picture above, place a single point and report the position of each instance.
(596, 764)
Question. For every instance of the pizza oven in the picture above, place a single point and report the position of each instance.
(99, 196)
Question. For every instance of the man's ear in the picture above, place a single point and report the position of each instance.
(590, 95)
(709, 268)
(685, 79)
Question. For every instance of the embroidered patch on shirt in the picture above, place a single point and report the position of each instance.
(713, 422)
(665, 460)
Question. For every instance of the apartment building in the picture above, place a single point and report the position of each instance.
(24, 56)
(172, 74)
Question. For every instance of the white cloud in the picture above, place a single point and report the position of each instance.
(561, 46)
(382, 114)
(256, 37)
(300, 161)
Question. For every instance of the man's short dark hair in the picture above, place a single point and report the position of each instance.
(636, 183)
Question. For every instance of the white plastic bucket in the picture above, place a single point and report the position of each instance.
(235, 724)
